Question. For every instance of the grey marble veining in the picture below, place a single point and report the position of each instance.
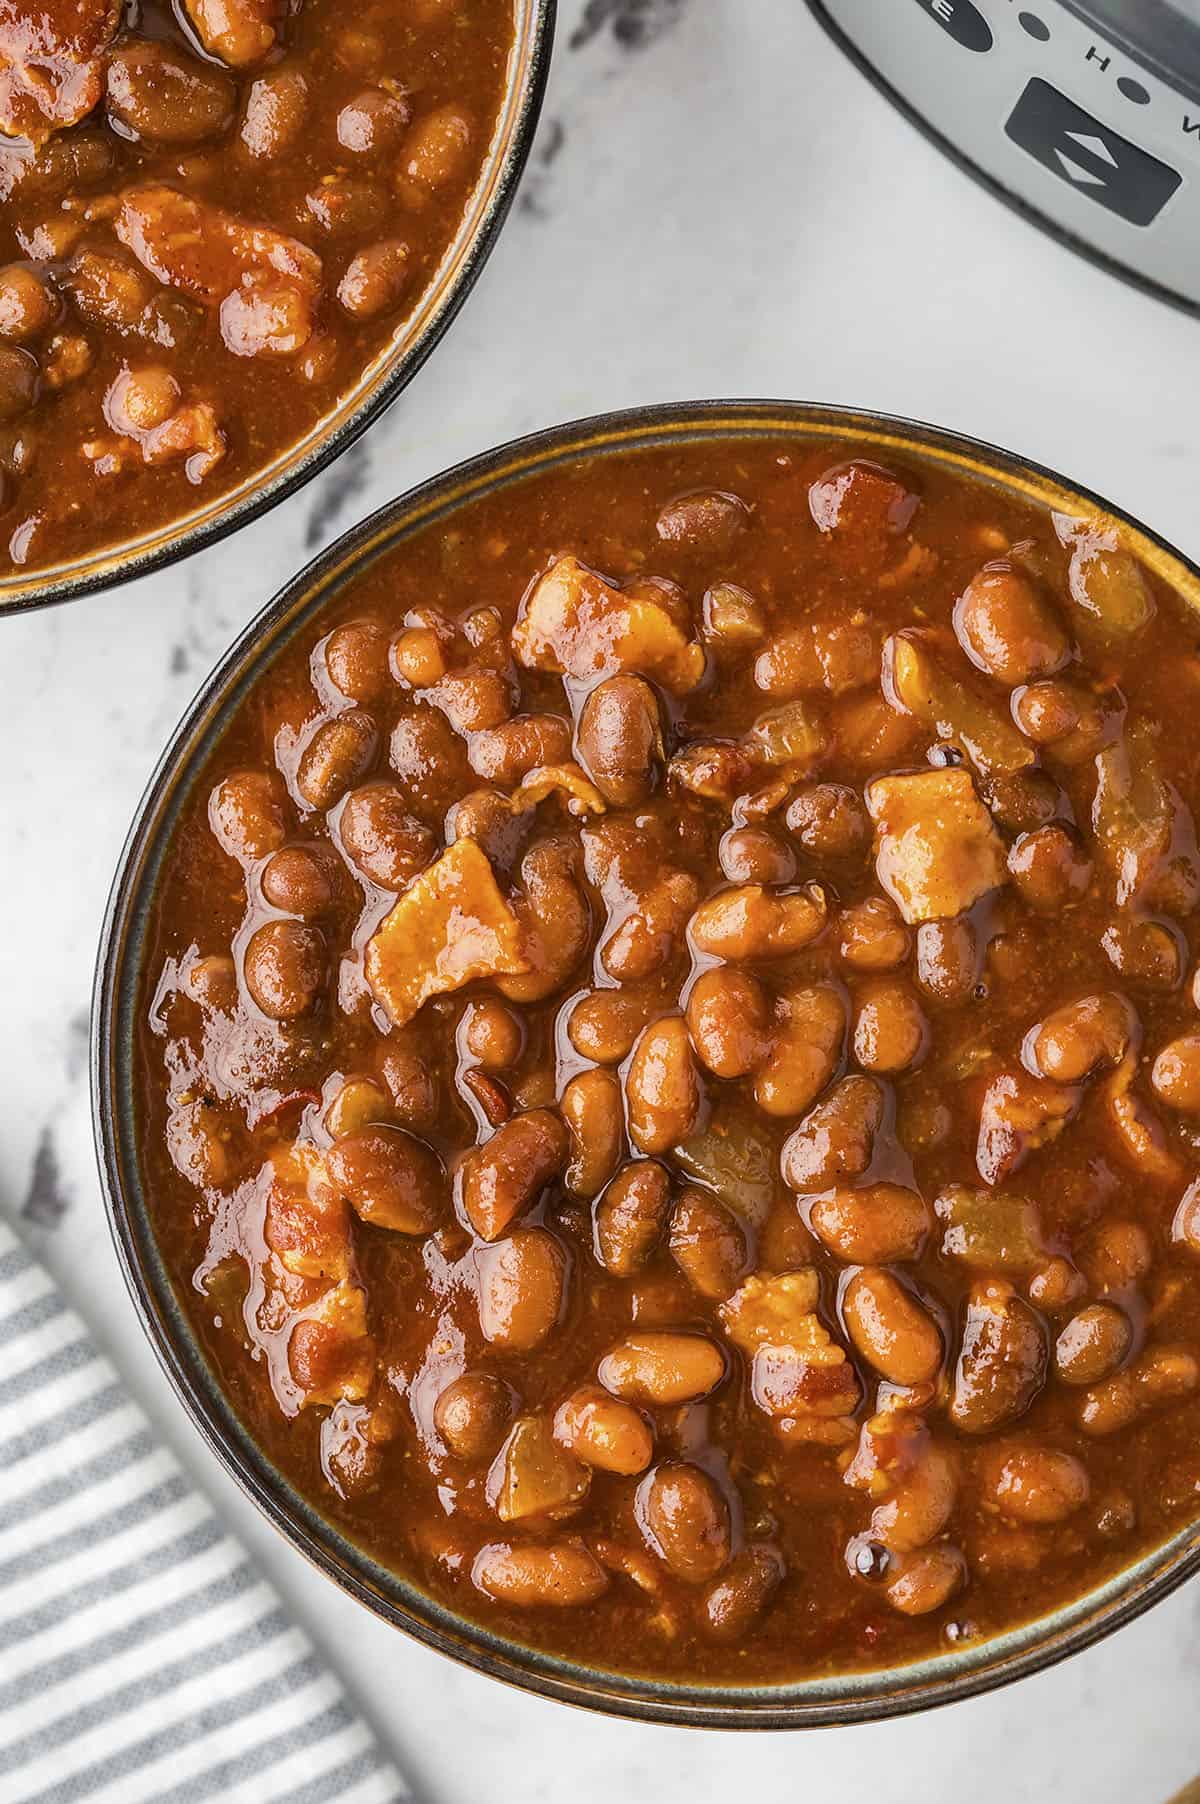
(716, 205)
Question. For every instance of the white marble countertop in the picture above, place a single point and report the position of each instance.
(716, 205)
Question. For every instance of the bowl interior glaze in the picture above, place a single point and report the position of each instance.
(390, 370)
(829, 1699)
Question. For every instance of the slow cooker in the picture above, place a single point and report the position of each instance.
(1084, 114)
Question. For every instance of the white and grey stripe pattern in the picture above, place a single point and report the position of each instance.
(142, 1659)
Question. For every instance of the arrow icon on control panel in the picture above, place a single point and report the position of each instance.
(1075, 172)
(1097, 146)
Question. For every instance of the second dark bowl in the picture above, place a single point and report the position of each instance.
(388, 373)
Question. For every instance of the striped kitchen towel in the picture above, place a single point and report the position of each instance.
(141, 1656)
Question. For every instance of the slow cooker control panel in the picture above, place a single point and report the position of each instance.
(1068, 123)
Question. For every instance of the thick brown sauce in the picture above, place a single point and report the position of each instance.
(1099, 1221)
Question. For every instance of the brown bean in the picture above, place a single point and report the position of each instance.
(1035, 1485)
(883, 1224)
(1185, 1226)
(890, 1030)
(1108, 584)
(629, 1216)
(356, 660)
(413, 1087)
(375, 278)
(836, 1140)
(751, 922)
(1047, 712)
(491, 1034)
(917, 1478)
(1020, 801)
(1002, 1363)
(1049, 868)
(284, 968)
(275, 113)
(417, 657)
(360, 1102)
(662, 1090)
(591, 1107)
(382, 840)
(735, 1601)
(1151, 953)
(862, 500)
(1176, 1074)
(708, 1244)
(532, 1575)
(1093, 1344)
(245, 812)
(28, 305)
(389, 1178)
(340, 752)
(711, 519)
(830, 821)
(756, 855)
(949, 959)
(472, 1415)
(556, 917)
(299, 880)
(893, 1332)
(620, 739)
(522, 1289)
(1116, 1255)
(924, 1579)
(349, 206)
(504, 1176)
(504, 754)
(372, 121)
(788, 664)
(805, 1049)
(872, 937)
(429, 761)
(664, 1369)
(1083, 1037)
(435, 149)
(729, 1018)
(604, 1432)
(1160, 1377)
(1006, 627)
(647, 938)
(685, 1520)
(162, 94)
(604, 1024)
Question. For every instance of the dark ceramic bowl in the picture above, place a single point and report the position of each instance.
(390, 371)
(837, 1698)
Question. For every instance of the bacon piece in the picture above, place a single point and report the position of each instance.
(451, 926)
(574, 623)
(937, 851)
(52, 63)
(265, 285)
(240, 32)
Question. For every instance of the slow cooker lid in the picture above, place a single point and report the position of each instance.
(1163, 35)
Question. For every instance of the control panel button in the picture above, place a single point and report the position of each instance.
(1092, 157)
(963, 20)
